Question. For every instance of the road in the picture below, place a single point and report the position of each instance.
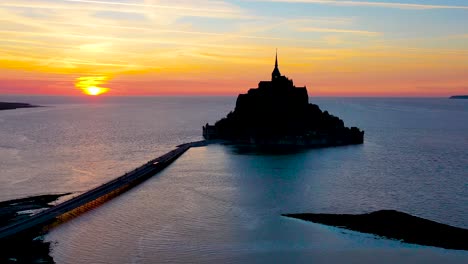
(119, 185)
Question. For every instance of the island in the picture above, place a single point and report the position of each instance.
(459, 97)
(9, 106)
(277, 113)
(395, 225)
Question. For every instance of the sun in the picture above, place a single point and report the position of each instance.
(94, 90)
(90, 85)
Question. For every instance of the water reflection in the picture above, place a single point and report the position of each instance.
(265, 150)
(213, 205)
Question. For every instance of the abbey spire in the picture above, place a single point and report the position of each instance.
(276, 73)
(276, 59)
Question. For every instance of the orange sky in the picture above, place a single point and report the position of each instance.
(151, 47)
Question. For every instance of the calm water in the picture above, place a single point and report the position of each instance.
(222, 204)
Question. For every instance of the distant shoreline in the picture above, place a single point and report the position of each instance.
(459, 97)
(14, 105)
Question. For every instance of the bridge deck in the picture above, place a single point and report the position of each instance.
(125, 181)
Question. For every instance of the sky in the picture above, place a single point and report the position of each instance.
(159, 47)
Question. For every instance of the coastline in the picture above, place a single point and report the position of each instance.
(14, 105)
(31, 247)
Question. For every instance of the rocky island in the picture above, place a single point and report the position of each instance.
(279, 113)
(395, 225)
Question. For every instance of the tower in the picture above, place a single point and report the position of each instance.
(276, 73)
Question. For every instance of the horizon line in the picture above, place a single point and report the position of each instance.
(231, 95)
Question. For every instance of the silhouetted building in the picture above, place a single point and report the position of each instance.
(277, 112)
(276, 73)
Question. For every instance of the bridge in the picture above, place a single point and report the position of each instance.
(95, 196)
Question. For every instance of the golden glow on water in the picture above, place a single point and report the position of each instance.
(89, 85)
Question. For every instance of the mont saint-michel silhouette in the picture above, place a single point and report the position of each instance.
(279, 113)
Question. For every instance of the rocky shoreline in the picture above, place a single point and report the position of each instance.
(28, 248)
(395, 225)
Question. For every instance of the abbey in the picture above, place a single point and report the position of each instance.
(279, 93)
(279, 113)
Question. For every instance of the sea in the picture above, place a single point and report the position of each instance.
(223, 204)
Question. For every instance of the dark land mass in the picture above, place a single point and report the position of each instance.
(459, 97)
(9, 210)
(277, 113)
(396, 225)
(9, 106)
(29, 247)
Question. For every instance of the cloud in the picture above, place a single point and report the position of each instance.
(334, 30)
(209, 39)
(201, 9)
(369, 4)
(144, 5)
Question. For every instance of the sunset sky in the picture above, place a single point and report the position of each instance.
(152, 47)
